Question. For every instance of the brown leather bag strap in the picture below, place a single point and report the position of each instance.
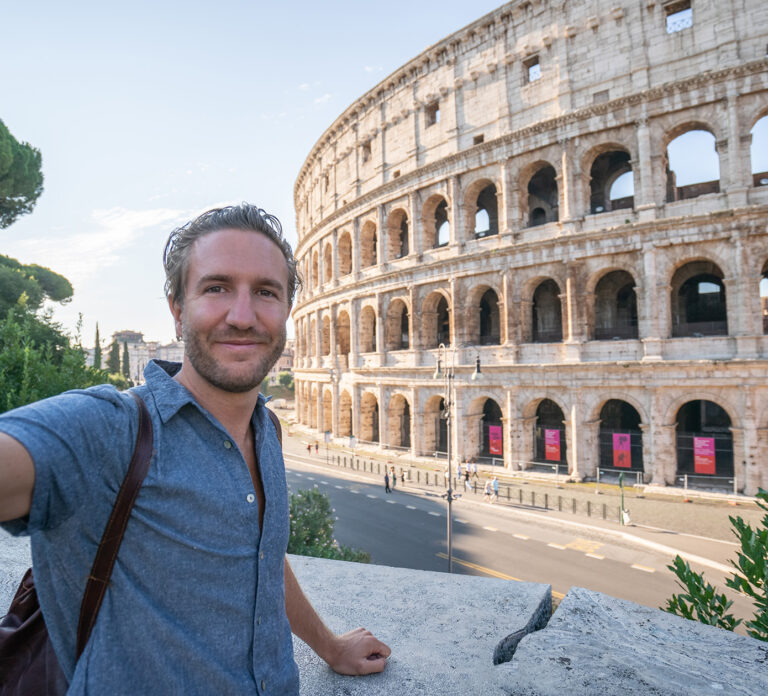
(101, 570)
(273, 417)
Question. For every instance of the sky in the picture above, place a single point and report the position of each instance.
(148, 113)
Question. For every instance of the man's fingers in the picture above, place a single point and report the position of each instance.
(372, 665)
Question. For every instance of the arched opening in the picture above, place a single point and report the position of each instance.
(698, 301)
(547, 313)
(326, 336)
(368, 244)
(435, 428)
(490, 326)
(758, 152)
(345, 254)
(443, 323)
(491, 431)
(313, 409)
(542, 197)
(313, 336)
(342, 333)
(620, 438)
(442, 226)
(607, 192)
(693, 167)
(327, 411)
(327, 263)
(345, 415)
(399, 422)
(487, 215)
(764, 297)
(367, 330)
(397, 334)
(315, 269)
(704, 440)
(549, 434)
(615, 307)
(369, 418)
(397, 232)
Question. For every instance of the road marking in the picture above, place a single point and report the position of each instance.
(325, 483)
(310, 478)
(435, 514)
(352, 490)
(594, 555)
(460, 521)
(490, 529)
(392, 502)
(585, 545)
(370, 496)
(557, 546)
(296, 473)
(521, 536)
(341, 488)
(645, 569)
(491, 572)
(410, 507)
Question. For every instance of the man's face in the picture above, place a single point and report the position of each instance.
(235, 308)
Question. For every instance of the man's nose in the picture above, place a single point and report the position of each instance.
(241, 312)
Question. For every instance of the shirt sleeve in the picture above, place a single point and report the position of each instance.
(80, 443)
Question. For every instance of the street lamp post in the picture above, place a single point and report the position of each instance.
(448, 376)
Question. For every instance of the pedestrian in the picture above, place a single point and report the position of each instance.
(317, 447)
(309, 449)
(402, 476)
(230, 283)
(474, 469)
(467, 484)
(394, 477)
(458, 474)
(495, 486)
(487, 491)
(387, 489)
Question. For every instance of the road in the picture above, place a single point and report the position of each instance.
(408, 529)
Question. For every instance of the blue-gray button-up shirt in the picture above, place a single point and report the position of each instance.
(196, 604)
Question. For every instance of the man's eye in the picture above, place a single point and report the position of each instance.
(265, 293)
(214, 289)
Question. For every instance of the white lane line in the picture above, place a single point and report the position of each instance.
(490, 529)
(296, 473)
(368, 495)
(645, 569)
(410, 507)
(460, 521)
(392, 502)
(351, 490)
(557, 546)
(595, 555)
(341, 488)
(521, 536)
(325, 483)
(310, 478)
(435, 514)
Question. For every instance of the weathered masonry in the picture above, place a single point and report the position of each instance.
(577, 194)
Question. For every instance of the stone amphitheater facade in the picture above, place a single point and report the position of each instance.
(472, 199)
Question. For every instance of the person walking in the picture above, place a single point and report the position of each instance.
(495, 486)
(394, 476)
(309, 449)
(458, 474)
(474, 469)
(487, 492)
(387, 489)
(467, 484)
(317, 447)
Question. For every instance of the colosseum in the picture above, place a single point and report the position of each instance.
(544, 239)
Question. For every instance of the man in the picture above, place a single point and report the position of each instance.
(202, 599)
(495, 485)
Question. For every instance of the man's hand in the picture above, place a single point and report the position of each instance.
(357, 652)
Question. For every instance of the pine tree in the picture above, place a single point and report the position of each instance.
(126, 362)
(113, 359)
(97, 350)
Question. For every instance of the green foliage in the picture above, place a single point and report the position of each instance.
(33, 283)
(126, 366)
(21, 177)
(113, 359)
(285, 379)
(312, 529)
(97, 349)
(701, 602)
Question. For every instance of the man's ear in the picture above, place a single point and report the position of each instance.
(175, 308)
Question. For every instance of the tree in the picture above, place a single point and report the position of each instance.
(97, 350)
(701, 601)
(312, 529)
(126, 361)
(113, 359)
(21, 177)
(32, 282)
(285, 379)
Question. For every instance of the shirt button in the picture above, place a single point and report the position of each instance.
(227, 444)
(258, 621)
(263, 684)
(261, 555)
(250, 497)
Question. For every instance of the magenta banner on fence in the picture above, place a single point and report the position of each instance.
(704, 455)
(552, 445)
(494, 439)
(622, 452)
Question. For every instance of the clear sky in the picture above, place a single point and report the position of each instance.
(147, 113)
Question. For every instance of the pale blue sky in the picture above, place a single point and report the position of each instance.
(149, 113)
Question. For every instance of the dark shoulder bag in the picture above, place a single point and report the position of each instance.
(28, 665)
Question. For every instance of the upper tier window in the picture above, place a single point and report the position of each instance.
(679, 16)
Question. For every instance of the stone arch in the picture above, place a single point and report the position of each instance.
(345, 414)
(313, 408)
(313, 335)
(436, 320)
(763, 287)
(682, 183)
(345, 254)
(698, 300)
(620, 438)
(327, 263)
(488, 424)
(615, 307)
(435, 222)
(367, 330)
(549, 433)
(611, 184)
(435, 426)
(543, 202)
(397, 234)
(546, 313)
(481, 204)
(482, 318)
(327, 425)
(368, 244)
(399, 419)
(315, 269)
(397, 333)
(758, 151)
(342, 333)
(326, 336)
(369, 417)
(704, 442)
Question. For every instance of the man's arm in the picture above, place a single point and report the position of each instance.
(17, 479)
(356, 652)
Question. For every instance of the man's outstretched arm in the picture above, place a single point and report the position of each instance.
(356, 652)
(17, 479)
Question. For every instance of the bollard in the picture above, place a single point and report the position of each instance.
(605, 512)
(546, 501)
(559, 503)
(533, 498)
(589, 509)
(418, 477)
(573, 505)
(520, 495)
(474, 487)
(508, 493)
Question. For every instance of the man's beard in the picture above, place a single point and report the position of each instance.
(219, 375)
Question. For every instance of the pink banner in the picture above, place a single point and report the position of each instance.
(704, 455)
(552, 445)
(494, 439)
(622, 453)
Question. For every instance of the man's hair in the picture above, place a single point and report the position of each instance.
(234, 217)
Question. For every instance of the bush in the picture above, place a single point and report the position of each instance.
(701, 601)
(312, 529)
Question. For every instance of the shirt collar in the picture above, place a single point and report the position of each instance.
(169, 395)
